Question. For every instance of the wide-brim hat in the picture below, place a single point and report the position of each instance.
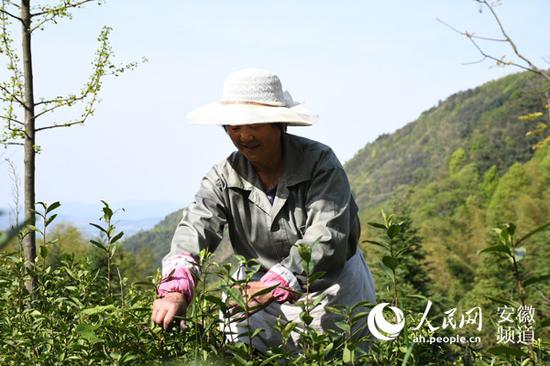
(253, 96)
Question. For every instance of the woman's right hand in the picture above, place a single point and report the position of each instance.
(167, 307)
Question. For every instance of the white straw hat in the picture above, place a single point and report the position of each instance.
(253, 96)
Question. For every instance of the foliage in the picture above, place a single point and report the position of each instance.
(82, 314)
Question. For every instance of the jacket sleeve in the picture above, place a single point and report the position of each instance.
(332, 226)
(201, 227)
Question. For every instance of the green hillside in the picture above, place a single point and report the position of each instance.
(461, 169)
(483, 121)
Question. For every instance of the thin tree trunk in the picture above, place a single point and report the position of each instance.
(29, 242)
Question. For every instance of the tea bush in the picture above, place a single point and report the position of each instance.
(85, 312)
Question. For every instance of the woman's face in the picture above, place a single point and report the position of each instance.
(260, 143)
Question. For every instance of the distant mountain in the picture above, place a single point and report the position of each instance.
(130, 217)
(483, 121)
(156, 242)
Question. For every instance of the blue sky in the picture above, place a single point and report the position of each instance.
(366, 67)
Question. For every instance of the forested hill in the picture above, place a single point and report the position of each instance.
(483, 121)
(459, 169)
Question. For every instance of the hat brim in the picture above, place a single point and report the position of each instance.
(243, 114)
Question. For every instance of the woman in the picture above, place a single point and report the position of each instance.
(274, 193)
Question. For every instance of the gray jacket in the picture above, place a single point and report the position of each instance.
(313, 201)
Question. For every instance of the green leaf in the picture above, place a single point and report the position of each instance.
(98, 244)
(393, 230)
(361, 304)
(315, 276)
(264, 291)
(537, 279)
(52, 207)
(348, 355)
(496, 248)
(334, 310)
(216, 300)
(545, 323)
(98, 309)
(510, 228)
(401, 251)
(533, 232)
(502, 350)
(506, 233)
(306, 318)
(305, 252)
(44, 207)
(271, 360)
(33, 228)
(106, 209)
(43, 251)
(417, 296)
(407, 355)
(374, 242)
(256, 332)
(377, 225)
(385, 269)
(50, 219)
(35, 313)
(117, 237)
(385, 217)
(99, 228)
(390, 262)
(343, 325)
(236, 296)
(87, 332)
(328, 348)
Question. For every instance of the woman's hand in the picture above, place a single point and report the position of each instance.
(167, 307)
(255, 302)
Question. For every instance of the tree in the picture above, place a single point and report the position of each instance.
(17, 92)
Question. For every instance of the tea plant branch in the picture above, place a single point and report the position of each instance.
(390, 261)
(108, 246)
(121, 284)
(509, 246)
